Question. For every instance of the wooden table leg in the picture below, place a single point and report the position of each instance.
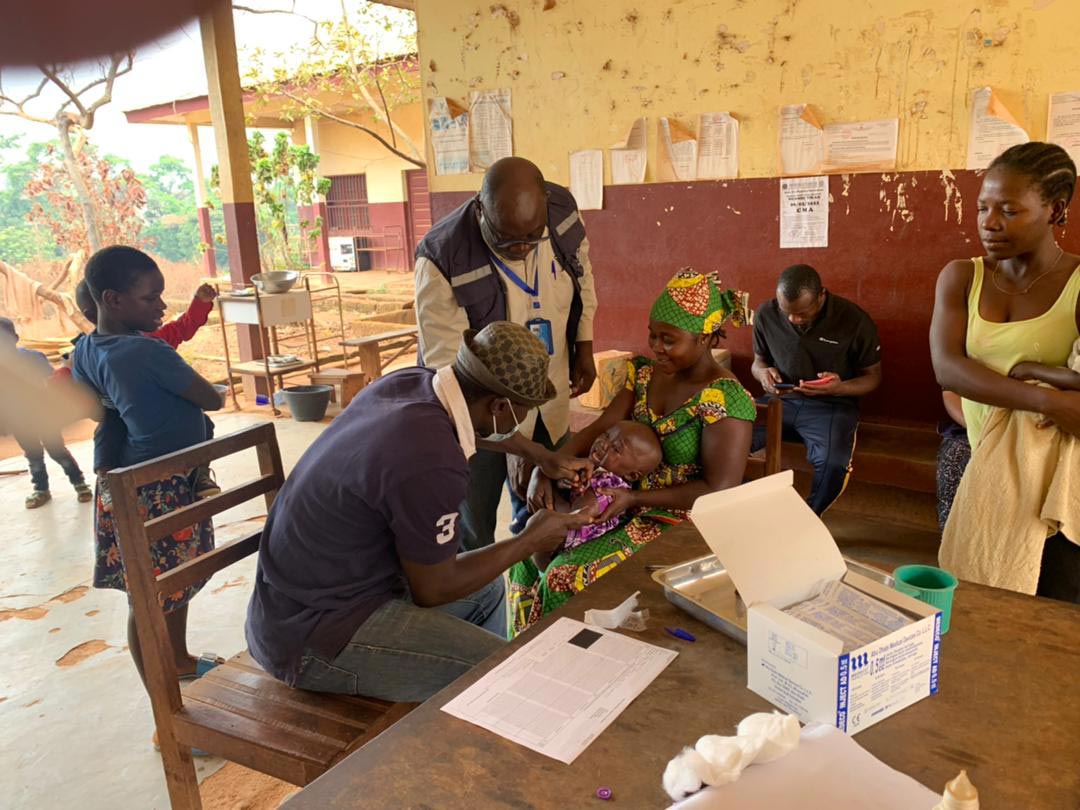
(370, 361)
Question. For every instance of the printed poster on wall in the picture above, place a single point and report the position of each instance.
(490, 128)
(804, 212)
(629, 157)
(861, 146)
(802, 140)
(1063, 123)
(587, 179)
(718, 146)
(677, 151)
(993, 129)
(449, 123)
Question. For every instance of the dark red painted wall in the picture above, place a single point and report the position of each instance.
(883, 256)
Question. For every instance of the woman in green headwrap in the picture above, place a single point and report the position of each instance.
(703, 417)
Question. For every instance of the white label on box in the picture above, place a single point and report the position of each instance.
(885, 676)
(787, 650)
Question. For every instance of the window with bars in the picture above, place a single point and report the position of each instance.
(347, 205)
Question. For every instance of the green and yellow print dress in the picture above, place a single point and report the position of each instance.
(534, 593)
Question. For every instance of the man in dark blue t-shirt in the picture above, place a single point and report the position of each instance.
(820, 353)
(360, 588)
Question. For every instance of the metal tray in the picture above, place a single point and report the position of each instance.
(703, 589)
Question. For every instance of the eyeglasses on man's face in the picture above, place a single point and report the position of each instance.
(501, 242)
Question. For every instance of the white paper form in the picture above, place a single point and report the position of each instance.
(1063, 123)
(804, 212)
(490, 128)
(557, 693)
(587, 179)
(678, 151)
(828, 770)
(718, 146)
(861, 146)
(993, 129)
(849, 615)
(629, 157)
(802, 140)
(449, 136)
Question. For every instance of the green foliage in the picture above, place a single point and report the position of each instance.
(283, 180)
(20, 241)
(172, 223)
(356, 70)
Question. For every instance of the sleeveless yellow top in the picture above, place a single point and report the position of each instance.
(1045, 339)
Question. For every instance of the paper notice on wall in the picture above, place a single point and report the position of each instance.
(676, 152)
(628, 158)
(1063, 123)
(587, 179)
(717, 146)
(861, 146)
(804, 212)
(802, 140)
(993, 129)
(490, 128)
(449, 124)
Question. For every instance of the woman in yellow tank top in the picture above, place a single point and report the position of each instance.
(1018, 305)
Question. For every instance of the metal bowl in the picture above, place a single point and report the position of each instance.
(277, 281)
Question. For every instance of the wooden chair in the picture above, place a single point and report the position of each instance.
(236, 711)
(766, 461)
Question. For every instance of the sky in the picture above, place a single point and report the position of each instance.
(172, 68)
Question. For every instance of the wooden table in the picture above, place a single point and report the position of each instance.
(1008, 711)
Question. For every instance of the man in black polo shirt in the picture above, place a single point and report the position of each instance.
(360, 588)
(819, 353)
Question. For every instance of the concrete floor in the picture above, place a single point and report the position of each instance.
(77, 723)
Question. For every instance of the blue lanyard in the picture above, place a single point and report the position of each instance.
(520, 283)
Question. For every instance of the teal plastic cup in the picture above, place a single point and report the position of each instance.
(935, 586)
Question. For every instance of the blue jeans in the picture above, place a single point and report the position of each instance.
(408, 653)
(827, 428)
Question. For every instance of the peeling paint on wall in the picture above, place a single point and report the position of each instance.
(952, 196)
(910, 59)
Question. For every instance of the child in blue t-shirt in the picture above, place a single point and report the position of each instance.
(161, 400)
(35, 447)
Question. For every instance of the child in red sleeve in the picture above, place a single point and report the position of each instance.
(110, 435)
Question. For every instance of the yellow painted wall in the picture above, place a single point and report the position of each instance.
(346, 150)
(582, 70)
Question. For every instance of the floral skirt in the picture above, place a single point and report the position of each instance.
(535, 593)
(155, 499)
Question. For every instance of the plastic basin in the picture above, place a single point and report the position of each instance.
(307, 403)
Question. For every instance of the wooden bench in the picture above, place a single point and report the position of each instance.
(885, 455)
(371, 347)
(236, 711)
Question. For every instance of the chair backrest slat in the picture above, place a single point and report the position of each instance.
(183, 460)
(205, 565)
(206, 508)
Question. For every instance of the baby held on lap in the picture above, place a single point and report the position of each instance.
(625, 453)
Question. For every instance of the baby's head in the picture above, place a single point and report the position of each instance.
(629, 449)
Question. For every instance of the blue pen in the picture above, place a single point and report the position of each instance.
(678, 632)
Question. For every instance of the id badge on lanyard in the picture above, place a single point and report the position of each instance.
(541, 327)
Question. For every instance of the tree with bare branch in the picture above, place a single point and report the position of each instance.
(343, 74)
(80, 101)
